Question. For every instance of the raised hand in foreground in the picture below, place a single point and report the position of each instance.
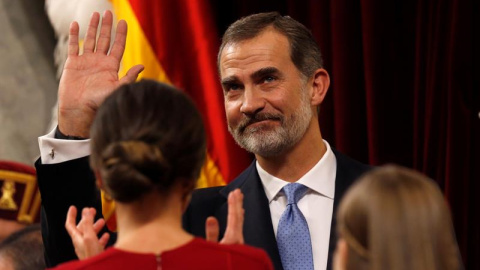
(87, 244)
(89, 78)
(234, 231)
(84, 234)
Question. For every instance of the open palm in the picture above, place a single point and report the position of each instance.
(89, 78)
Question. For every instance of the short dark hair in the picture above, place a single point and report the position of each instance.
(24, 249)
(147, 136)
(304, 51)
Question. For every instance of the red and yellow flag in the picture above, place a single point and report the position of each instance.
(177, 42)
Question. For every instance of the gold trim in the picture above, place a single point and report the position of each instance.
(8, 192)
(30, 181)
(34, 210)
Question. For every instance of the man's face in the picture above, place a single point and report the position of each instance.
(266, 101)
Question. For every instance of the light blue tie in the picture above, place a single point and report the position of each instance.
(293, 236)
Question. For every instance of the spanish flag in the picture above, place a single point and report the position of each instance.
(177, 42)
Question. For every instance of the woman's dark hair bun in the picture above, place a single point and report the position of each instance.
(147, 136)
(132, 168)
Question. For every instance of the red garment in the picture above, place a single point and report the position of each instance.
(196, 254)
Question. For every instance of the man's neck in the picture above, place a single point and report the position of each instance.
(297, 161)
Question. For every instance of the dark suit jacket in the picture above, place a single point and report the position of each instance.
(258, 228)
(73, 183)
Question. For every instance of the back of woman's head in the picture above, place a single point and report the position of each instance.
(396, 218)
(147, 136)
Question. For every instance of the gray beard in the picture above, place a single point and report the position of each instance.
(269, 142)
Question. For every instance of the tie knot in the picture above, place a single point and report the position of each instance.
(294, 192)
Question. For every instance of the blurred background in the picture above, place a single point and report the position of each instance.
(27, 77)
(405, 85)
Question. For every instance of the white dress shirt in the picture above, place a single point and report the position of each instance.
(316, 205)
(54, 151)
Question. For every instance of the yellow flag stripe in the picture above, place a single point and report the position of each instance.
(139, 51)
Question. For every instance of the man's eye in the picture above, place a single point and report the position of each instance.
(269, 79)
(233, 87)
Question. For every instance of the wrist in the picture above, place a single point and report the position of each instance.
(60, 135)
(75, 125)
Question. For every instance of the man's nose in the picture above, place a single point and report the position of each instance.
(253, 101)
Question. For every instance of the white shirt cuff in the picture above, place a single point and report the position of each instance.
(54, 150)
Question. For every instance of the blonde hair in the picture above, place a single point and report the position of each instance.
(396, 218)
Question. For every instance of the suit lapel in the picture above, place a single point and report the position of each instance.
(257, 228)
(339, 190)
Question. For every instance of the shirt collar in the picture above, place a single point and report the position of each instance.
(320, 179)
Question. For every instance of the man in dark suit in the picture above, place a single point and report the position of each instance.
(273, 82)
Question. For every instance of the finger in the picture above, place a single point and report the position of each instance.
(81, 223)
(88, 230)
(73, 39)
(87, 219)
(90, 36)
(118, 46)
(239, 204)
(212, 229)
(231, 220)
(70, 223)
(103, 43)
(104, 239)
(98, 225)
(234, 231)
(235, 203)
(132, 74)
(93, 211)
(240, 216)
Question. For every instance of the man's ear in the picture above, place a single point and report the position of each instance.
(319, 85)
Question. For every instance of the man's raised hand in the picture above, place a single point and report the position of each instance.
(89, 78)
